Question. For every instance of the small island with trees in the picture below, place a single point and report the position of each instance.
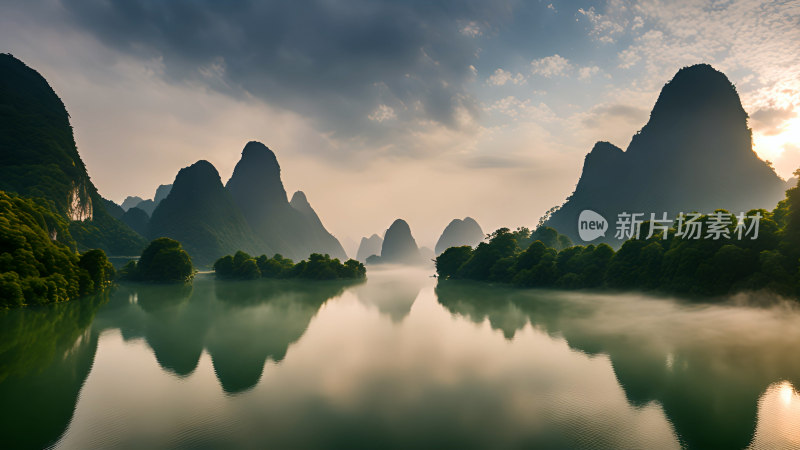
(163, 261)
(242, 266)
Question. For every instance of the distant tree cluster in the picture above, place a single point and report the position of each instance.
(163, 261)
(38, 261)
(242, 266)
(701, 267)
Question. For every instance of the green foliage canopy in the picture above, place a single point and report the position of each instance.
(242, 266)
(162, 261)
(38, 261)
(695, 267)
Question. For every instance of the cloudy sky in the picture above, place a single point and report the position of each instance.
(420, 109)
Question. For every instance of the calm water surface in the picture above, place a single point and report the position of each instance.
(397, 362)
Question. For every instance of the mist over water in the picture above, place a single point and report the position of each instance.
(399, 362)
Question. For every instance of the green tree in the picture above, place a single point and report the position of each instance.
(451, 260)
(164, 261)
(317, 267)
(98, 267)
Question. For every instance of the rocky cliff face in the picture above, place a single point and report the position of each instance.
(80, 203)
(694, 153)
(39, 158)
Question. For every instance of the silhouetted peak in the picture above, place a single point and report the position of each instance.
(256, 179)
(300, 203)
(368, 247)
(694, 153)
(603, 149)
(459, 232)
(131, 201)
(196, 179)
(399, 245)
(201, 168)
(161, 193)
(299, 200)
(400, 225)
(604, 158)
(257, 153)
(698, 89)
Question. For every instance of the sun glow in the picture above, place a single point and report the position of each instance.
(787, 393)
(783, 148)
(778, 417)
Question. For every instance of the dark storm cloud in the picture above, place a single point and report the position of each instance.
(334, 61)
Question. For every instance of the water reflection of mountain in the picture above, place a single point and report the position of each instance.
(240, 324)
(45, 356)
(393, 293)
(46, 353)
(706, 365)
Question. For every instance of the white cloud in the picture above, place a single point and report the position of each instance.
(382, 113)
(471, 29)
(584, 73)
(550, 66)
(756, 43)
(605, 27)
(628, 58)
(501, 77)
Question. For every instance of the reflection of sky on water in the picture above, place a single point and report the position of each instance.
(236, 364)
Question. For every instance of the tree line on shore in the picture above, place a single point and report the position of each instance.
(242, 266)
(671, 263)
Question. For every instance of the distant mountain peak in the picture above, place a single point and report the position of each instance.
(201, 214)
(200, 170)
(258, 153)
(299, 199)
(698, 86)
(698, 101)
(131, 201)
(292, 229)
(161, 193)
(459, 232)
(694, 153)
(399, 245)
(257, 171)
(602, 149)
(368, 247)
(400, 224)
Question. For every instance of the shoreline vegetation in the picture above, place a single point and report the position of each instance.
(242, 266)
(39, 259)
(673, 265)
